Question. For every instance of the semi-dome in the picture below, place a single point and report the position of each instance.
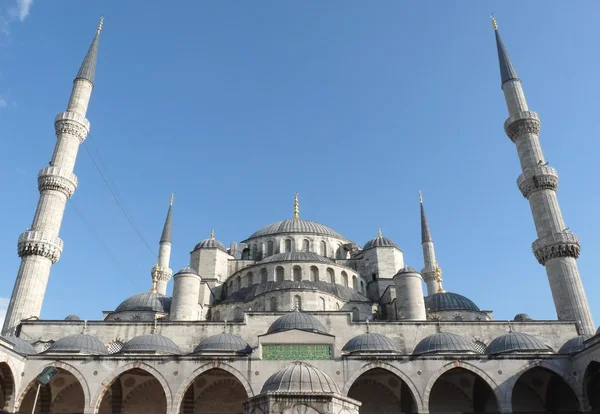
(146, 301)
(300, 378)
(72, 317)
(151, 343)
(295, 226)
(444, 342)
(380, 241)
(296, 257)
(80, 343)
(297, 320)
(20, 345)
(522, 317)
(516, 342)
(211, 243)
(224, 342)
(370, 342)
(574, 345)
(445, 301)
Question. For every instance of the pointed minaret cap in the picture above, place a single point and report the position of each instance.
(507, 70)
(167, 233)
(425, 233)
(88, 67)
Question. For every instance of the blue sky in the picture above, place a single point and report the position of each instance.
(234, 106)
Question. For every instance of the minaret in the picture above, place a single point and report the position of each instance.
(432, 273)
(161, 273)
(39, 247)
(556, 248)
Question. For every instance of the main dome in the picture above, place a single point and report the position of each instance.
(295, 226)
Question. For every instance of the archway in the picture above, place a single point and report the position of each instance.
(591, 382)
(63, 395)
(134, 391)
(460, 390)
(7, 386)
(539, 390)
(214, 391)
(381, 391)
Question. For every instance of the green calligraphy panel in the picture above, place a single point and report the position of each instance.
(296, 352)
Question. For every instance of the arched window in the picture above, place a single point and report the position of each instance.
(288, 246)
(314, 274)
(354, 283)
(270, 248)
(238, 314)
(362, 287)
(322, 304)
(273, 304)
(305, 245)
(341, 253)
(355, 314)
(344, 278)
(279, 273)
(330, 275)
(297, 273)
(263, 276)
(297, 303)
(323, 248)
(217, 316)
(238, 282)
(250, 279)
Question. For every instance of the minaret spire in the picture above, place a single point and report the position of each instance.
(161, 273)
(40, 247)
(556, 247)
(432, 273)
(296, 207)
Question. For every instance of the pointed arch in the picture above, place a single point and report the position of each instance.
(8, 385)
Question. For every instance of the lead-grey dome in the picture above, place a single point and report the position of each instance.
(444, 342)
(297, 320)
(516, 342)
(407, 269)
(445, 301)
(380, 241)
(370, 342)
(146, 301)
(211, 244)
(20, 345)
(80, 343)
(151, 343)
(300, 378)
(72, 317)
(224, 342)
(522, 317)
(574, 345)
(295, 226)
(296, 257)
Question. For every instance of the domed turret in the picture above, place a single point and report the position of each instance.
(223, 343)
(300, 378)
(517, 342)
(444, 342)
(380, 241)
(151, 343)
(522, 317)
(410, 304)
(78, 344)
(211, 243)
(297, 320)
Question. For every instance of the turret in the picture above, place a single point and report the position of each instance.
(40, 247)
(410, 304)
(556, 247)
(432, 273)
(186, 288)
(161, 272)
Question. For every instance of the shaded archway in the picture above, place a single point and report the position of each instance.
(461, 390)
(381, 391)
(591, 383)
(7, 386)
(134, 391)
(63, 395)
(539, 390)
(214, 391)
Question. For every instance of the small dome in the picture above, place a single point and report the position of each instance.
(407, 269)
(300, 378)
(516, 342)
(444, 301)
(574, 345)
(370, 342)
(295, 226)
(380, 241)
(522, 317)
(211, 244)
(20, 345)
(296, 257)
(81, 343)
(151, 343)
(224, 342)
(297, 320)
(72, 317)
(146, 301)
(444, 342)
(187, 269)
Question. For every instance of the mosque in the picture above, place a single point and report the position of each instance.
(296, 318)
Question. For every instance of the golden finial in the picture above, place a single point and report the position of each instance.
(100, 24)
(494, 23)
(154, 278)
(379, 232)
(296, 207)
(212, 233)
(438, 277)
(420, 197)
(172, 198)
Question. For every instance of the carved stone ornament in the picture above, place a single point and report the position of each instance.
(53, 178)
(72, 123)
(564, 244)
(526, 122)
(162, 274)
(538, 178)
(37, 243)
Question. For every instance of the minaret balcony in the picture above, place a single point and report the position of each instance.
(37, 243)
(72, 123)
(57, 179)
(526, 122)
(162, 273)
(562, 244)
(538, 178)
